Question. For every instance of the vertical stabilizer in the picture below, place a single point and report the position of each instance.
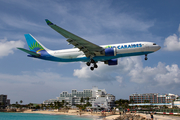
(34, 45)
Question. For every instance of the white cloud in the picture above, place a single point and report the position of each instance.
(132, 69)
(172, 43)
(8, 47)
(171, 76)
(108, 73)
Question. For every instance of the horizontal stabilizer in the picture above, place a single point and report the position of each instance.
(29, 52)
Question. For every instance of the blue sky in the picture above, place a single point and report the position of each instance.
(101, 22)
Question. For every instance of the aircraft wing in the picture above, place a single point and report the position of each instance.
(89, 49)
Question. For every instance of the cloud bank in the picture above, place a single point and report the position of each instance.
(8, 47)
(172, 43)
(131, 69)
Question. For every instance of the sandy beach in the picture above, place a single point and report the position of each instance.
(97, 115)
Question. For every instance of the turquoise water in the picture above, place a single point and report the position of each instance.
(34, 116)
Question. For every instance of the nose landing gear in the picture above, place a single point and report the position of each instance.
(94, 64)
(145, 57)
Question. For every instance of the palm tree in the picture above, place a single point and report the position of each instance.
(42, 106)
(87, 102)
(63, 102)
(82, 100)
(17, 105)
(21, 103)
(30, 105)
(51, 105)
(55, 105)
(59, 104)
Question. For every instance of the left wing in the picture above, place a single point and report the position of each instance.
(89, 49)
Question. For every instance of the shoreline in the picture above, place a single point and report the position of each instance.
(97, 115)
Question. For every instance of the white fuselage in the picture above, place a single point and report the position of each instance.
(122, 50)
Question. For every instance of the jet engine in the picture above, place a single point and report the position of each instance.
(110, 52)
(111, 62)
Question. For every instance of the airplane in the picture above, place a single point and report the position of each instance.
(86, 51)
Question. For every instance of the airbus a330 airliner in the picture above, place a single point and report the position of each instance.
(86, 51)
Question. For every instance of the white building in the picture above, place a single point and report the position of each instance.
(153, 98)
(106, 101)
(177, 102)
(96, 97)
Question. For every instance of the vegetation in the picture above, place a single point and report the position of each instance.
(83, 106)
(52, 105)
(122, 103)
(146, 101)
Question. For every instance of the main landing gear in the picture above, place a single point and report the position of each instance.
(145, 57)
(94, 64)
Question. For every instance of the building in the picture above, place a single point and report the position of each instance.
(4, 102)
(177, 102)
(152, 98)
(96, 97)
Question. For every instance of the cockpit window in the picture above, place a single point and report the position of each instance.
(154, 43)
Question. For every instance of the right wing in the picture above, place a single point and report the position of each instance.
(89, 49)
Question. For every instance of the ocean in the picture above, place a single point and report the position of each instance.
(36, 116)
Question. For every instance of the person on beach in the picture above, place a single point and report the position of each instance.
(152, 116)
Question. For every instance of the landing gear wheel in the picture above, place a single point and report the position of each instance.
(92, 61)
(88, 63)
(145, 57)
(95, 66)
(92, 68)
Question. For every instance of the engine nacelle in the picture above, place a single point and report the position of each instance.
(110, 52)
(111, 62)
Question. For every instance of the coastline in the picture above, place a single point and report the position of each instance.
(97, 115)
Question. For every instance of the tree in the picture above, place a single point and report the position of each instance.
(30, 105)
(82, 100)
(17, 105)
(131, 101)
(55, 105)
(21, 101)
(122, 103)
(37, 107)
(42, 106)
(59, 104)
(63, 102)
(51, 105)
(146, 101)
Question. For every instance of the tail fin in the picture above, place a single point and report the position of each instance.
(34, 45)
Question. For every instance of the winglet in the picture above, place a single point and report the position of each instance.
(48, 22)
